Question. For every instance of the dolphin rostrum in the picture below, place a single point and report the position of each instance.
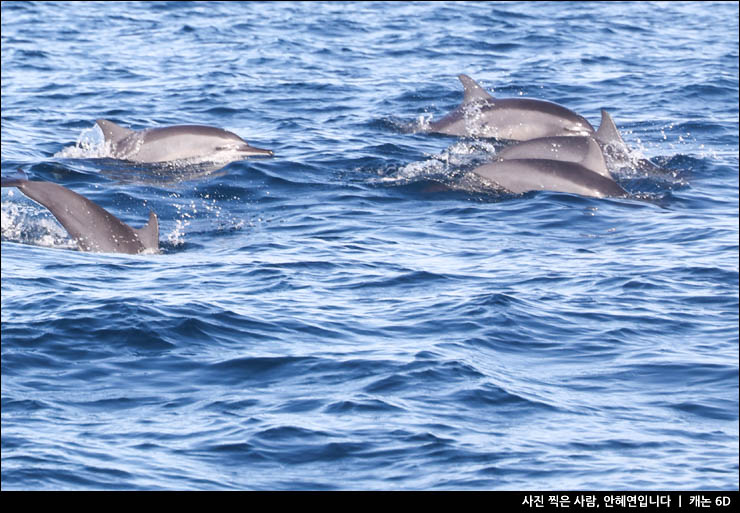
(519, 119)
(182, 142)
(523, 175)
(92, 227)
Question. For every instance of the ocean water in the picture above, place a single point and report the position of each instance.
(356, 312)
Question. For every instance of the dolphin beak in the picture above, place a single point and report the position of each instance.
(251, 150)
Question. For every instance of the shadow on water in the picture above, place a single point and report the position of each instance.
(157, 174)
(70, 170)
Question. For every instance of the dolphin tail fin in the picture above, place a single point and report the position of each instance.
(607, 132)
(473, 91)
(113, 132)
(149, 233)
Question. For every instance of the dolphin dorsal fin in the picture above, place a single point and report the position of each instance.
(113, 132)
(473, 91)
(149, 233)
(594, 159)
(607, 132)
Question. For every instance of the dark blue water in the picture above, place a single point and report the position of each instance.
(353, 313)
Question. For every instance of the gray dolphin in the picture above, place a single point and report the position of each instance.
(586, 150)
(523, 175)
(583, 150)
(92, 227)
(519, 119)
(182, 142)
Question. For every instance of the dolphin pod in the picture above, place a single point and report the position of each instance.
(561, 163)
(587, 150)
(92, 227)
(95, 229)
(183, 142)
(530, 165)
(556, 150)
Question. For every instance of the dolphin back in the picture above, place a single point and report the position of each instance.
(518, 119)
(582, 150)
(10, 182)
(524, 175)
(91, 226)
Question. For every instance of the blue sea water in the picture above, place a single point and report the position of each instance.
(354, 313)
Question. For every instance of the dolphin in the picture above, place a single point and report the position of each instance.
(581, 149)
(523, 175)
(519, 119)
(182, 142)
(92, 227)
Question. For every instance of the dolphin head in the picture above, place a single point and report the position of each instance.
(243, 147)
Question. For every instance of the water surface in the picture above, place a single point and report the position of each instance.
(354, 313)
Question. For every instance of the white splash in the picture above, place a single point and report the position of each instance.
(90, 145)
(23, 223)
